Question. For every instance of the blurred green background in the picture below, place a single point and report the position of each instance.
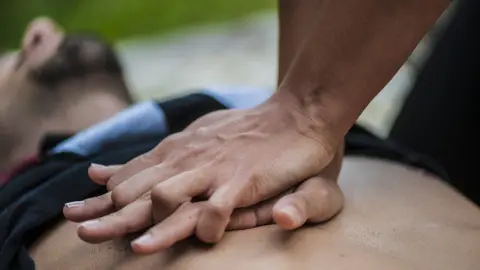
(119, 19)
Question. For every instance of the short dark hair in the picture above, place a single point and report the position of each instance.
(72, 61)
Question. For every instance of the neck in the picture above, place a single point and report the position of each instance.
(82, 112)
(59, 112)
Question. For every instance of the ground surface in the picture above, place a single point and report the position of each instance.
(242, 52)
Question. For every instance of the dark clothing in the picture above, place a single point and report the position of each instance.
(441, 115)
(34, 199)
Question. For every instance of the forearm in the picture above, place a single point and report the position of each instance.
(353, 50)
(295, 19)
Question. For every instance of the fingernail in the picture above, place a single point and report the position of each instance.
(91, 224)
(75, 204)
(293, 214)
(143, 240)
(97, 166)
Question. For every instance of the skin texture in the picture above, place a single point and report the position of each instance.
(293, 18)
(395, 217)
(176, 193)
(352, 50)
(44, 88)
(338, 56)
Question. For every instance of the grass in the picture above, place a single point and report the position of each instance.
(118, 19)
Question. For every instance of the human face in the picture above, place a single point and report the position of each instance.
(48, 57)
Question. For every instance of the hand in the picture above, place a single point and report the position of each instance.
(315, 200)
(230, 159)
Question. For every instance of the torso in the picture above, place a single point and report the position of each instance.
(394, 218)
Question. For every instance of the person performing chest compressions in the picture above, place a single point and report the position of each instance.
(395, 215)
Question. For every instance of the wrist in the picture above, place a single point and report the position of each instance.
(318, 106)
(288, 111)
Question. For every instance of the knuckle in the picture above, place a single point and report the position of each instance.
(177, 163)
(91, 202)
(172, 140)
(156, 173)
(194, 149)
(259, 182)
(168, 142)
(329, 204)
(234, 222)
(113, 183)
(322, 194)
(160, 193)
(257, 214)
(224, 209)
(208, 118)
(151, 157)
(196, 208)
(99, 201)
(117, 222)
(119, 198)
(130, 226)
(202, 131)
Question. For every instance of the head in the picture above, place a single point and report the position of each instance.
(58, 82)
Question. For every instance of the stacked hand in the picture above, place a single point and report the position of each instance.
(232, 169)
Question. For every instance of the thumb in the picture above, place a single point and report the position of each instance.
(317, 199)
(253, 216)
(100, 174)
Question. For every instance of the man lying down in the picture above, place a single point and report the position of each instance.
(55, 83)
(398, 213)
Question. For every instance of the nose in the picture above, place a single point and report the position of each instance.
(41, 30)
(41, 38)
